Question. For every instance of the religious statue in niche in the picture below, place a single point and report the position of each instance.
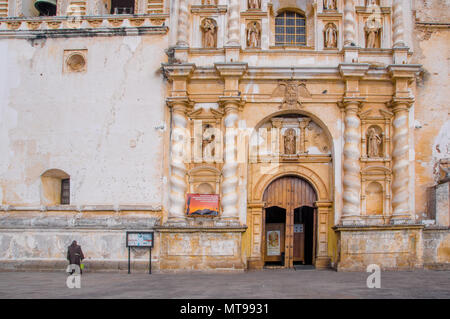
(330, 36)
(290, 142)
(209, 2)
(329, 4)
(208, 137)
(291, 90)
(253, 35)
(373, 143)
(372, 3)
(254, 4)
(209, 29)
(373, 32)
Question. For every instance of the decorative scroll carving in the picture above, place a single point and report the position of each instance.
(349, 23)
(209, 29)
(254, 4)
(329, 4)
(397, 20)
(291, 90)
(330, 36)
(253, 35)
(373, 32)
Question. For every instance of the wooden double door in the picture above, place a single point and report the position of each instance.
(289, 222)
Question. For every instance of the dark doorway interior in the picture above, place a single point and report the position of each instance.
(304, 216)
(275, 225)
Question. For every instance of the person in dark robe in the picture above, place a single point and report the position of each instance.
(75, 254)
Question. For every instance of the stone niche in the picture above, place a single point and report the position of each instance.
(288, 138)
(375, 199)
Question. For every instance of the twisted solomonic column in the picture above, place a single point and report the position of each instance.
(400, 156)
(233, 23)
(230, 167)
(177, 182)
(397, 23)
(349, 22)
(352, 180)
(183, 24)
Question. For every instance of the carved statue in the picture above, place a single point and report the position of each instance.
(254, 4)
(253, 35)
(329, 4)
(373, 143)
(207, 139)
(289, 142)
(209, 2)
(371, 3)
(373, 30)
(209, 28)
(330, 36)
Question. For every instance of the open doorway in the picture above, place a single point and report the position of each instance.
(275, 236)
(304, 235)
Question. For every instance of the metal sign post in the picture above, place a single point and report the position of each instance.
(140, 239)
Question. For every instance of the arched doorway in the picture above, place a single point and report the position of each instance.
(289, 222)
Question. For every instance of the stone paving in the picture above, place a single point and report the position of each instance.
(276, 283)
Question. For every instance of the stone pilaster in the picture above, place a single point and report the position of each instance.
(230, 102)
(179, 105)
(349, 23)
(323, 213)
(351, 211)
(183, 24)
(400, 155)
(397, 24)
(177, 182)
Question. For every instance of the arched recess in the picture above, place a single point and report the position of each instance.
(318, 171)
(55, 185)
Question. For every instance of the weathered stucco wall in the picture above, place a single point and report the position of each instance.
(431, 111)
(101, 126)
(436, 253)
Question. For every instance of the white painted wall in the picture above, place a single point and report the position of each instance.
(97, 126)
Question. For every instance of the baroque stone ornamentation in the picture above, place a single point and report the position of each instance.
(349, 22)
(330, 36)
(254, 35)
(372, 29)
(290, 142)
(209, 2)
(374, 142)
(254, 4)
(397, 20)
(209, 30)
(329, 4)
(291, 90)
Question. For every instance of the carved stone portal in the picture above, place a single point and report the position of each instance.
(253, 35)
(209, 29)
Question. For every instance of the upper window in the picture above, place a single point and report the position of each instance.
(290, 29)
(122, 6)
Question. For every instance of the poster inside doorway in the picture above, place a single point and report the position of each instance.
(273, 243)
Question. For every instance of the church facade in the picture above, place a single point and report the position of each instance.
(243, 133)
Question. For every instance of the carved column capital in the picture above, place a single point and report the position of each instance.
(400, 103)
(231, 103)
(349, 104)
(180, 104)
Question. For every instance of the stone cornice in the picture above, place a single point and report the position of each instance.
(340, 228)
(352, 70)
(80, 208)
(182, 71)
(231, 69)
(403, 70)
(206, 229)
